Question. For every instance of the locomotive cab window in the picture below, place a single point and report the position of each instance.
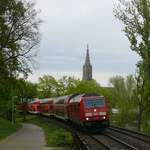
(90, 103)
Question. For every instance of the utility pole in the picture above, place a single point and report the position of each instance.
(13, 109)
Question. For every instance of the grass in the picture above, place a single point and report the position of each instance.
(7, 128)
(55, 136)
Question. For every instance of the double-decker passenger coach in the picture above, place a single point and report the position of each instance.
(46, 107)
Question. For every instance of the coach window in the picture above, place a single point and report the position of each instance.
(61, 101)
(72, 100)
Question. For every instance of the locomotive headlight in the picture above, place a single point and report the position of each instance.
(88, 114)
(102, 113)
(104, 117)
(87, 118)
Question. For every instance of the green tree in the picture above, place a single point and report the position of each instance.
(142, 101)
(19, 34)
(26, 89)
(135, 14)
(85, 86)
(47, 86)
(22, 90)
(123, 96)
(67, 85)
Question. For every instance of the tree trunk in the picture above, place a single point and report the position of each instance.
(139, 118)
(24, 116)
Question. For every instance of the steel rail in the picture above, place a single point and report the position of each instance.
(80, 142)
(137, 135)
(84, 139)
(122, 142)
(101, 143)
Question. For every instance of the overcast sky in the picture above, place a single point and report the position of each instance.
(67, 28)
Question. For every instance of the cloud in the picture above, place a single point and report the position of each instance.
(101, 77)
(68, 26)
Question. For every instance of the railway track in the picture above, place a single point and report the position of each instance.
(111, 143)
(134, 134)
(113, 138)
(137, 140)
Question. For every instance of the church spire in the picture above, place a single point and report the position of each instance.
(87, 59)
(87, 68)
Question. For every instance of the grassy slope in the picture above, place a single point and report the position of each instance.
(7, 128)
(55, 136)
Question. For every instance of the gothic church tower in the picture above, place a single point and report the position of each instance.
(87, 67)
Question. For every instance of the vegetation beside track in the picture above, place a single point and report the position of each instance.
(7, 128)
(55, 136)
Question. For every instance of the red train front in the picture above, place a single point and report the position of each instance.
(89, 110)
